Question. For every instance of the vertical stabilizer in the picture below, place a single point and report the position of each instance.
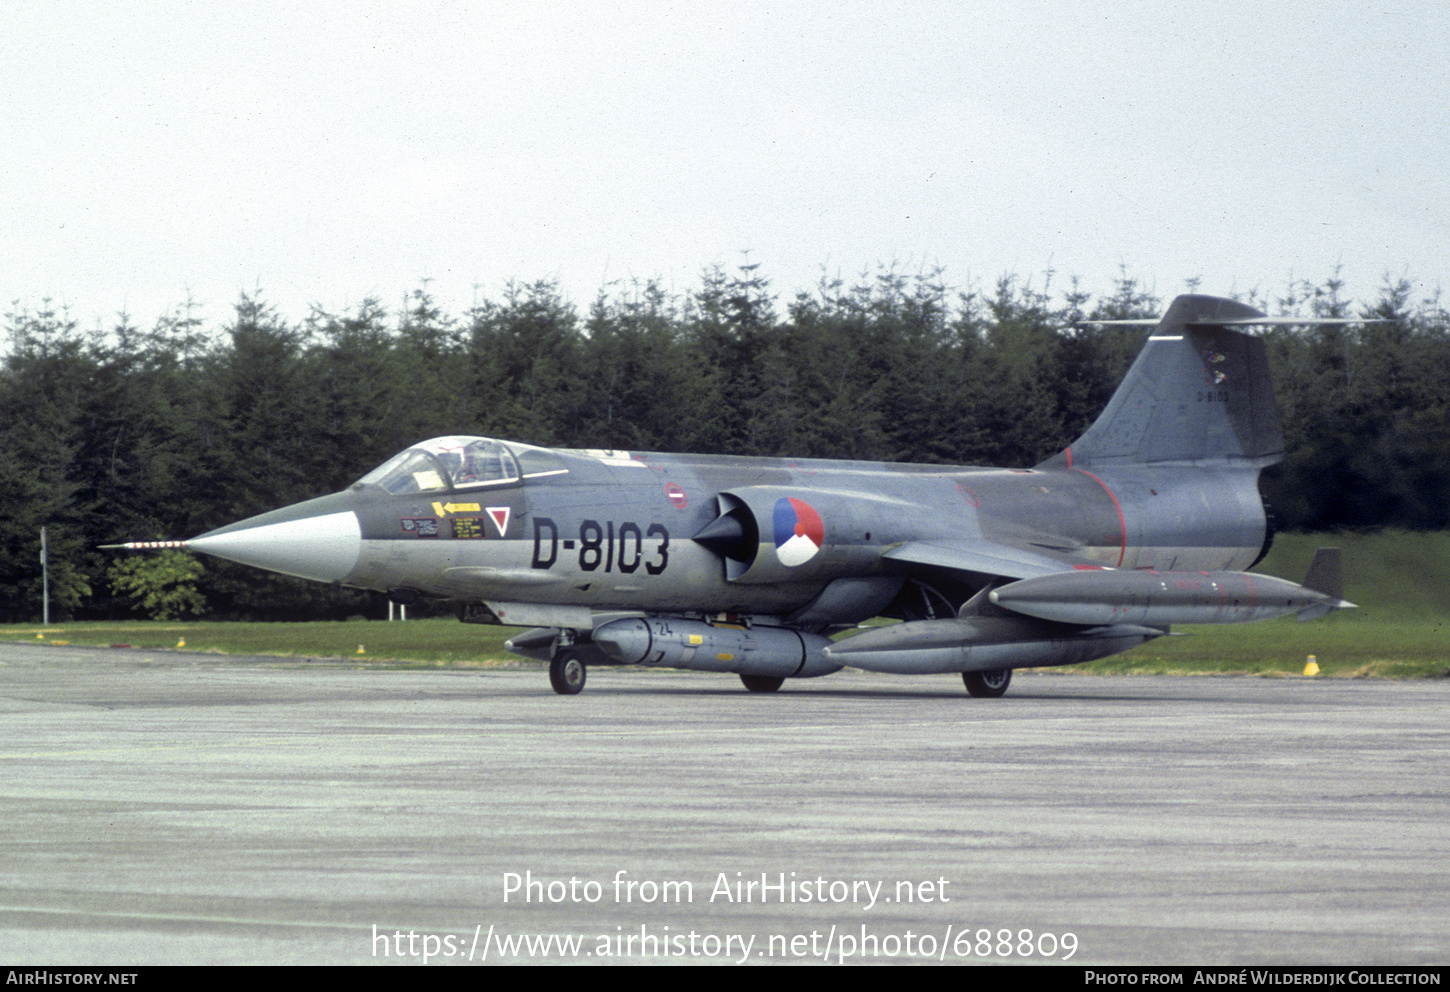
(1198, 392)
(1326, 573)
(1326, 577)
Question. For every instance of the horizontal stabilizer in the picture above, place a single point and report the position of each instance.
(1243, 322)
(1289, 322)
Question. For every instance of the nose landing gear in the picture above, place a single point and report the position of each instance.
(567, 672)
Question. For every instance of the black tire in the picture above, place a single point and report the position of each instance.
(567, 672)
(988, 685)
(762, 683)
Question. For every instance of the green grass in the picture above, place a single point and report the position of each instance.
(1359, 648)
(1400, 580)
(1390, 574)
(420, 642)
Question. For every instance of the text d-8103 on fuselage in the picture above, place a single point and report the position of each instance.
(623, 548)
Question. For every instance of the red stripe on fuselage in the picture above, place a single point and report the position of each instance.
(1122, 521)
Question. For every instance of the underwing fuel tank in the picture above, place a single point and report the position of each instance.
(1109, 596)
(773, 651)
(982, 644)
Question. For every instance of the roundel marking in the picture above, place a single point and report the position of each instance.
(799, 531)
(676, 495)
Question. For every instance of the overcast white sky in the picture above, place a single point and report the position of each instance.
(327, 152)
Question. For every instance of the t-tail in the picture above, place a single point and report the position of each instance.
(1198, 393)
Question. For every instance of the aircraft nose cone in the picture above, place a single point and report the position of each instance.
(324, 547)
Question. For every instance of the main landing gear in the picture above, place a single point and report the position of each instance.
(921, 601)
(762, 683)
(566, 672)
(988, 685)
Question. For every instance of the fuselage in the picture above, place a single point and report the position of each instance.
(478, 520)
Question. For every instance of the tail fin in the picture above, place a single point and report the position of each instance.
(1326, 576)
(1199, 391)
(1326, 573)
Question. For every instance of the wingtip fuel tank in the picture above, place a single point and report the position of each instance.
(1113, 596)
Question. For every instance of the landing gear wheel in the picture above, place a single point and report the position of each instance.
(988, 685)
(762, 683)
(566, 672)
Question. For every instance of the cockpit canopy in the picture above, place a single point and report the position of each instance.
(447, 464)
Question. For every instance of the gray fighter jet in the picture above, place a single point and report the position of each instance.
(753, 565)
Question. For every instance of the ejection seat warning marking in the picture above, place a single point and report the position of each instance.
(613, 547)
(467, 528)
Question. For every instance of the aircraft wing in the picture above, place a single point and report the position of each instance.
(983, 557)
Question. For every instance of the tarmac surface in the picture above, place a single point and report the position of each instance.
(173, 808)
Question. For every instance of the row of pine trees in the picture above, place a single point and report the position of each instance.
(132, 432)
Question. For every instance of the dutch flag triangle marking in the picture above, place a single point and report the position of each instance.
(500, 516)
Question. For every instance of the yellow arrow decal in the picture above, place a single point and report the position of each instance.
(443, 509)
